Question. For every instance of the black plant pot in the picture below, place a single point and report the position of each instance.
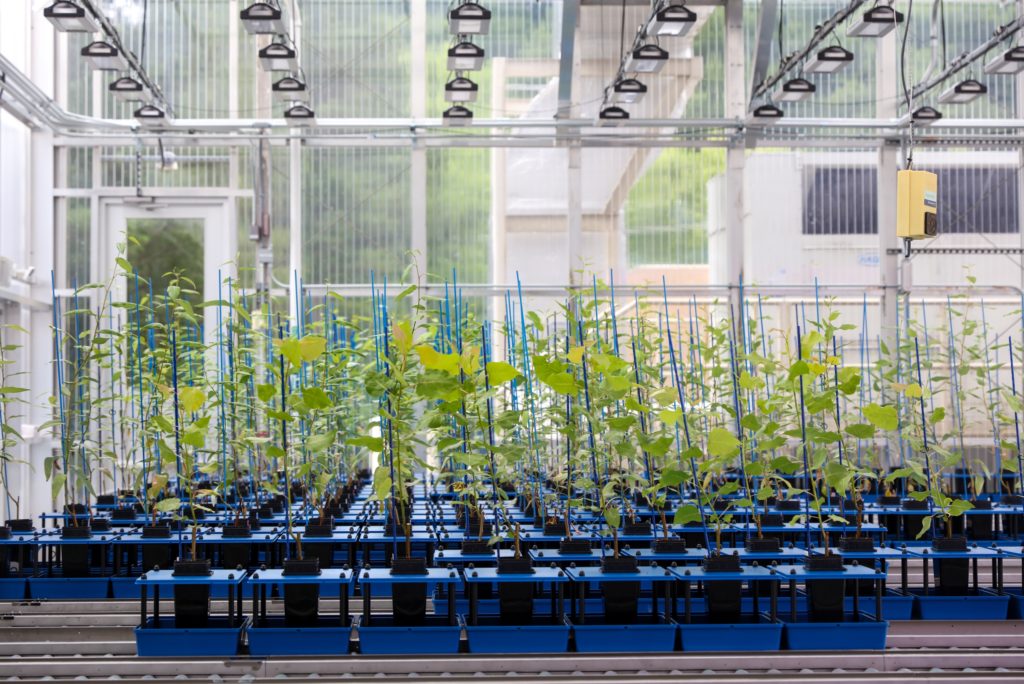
(857, 544)
(912, 523)
(278, 503)
(157, 555)
(20, 525)
(554, 529)
(574, 546)
(409, 600)
(236, 555)
(639, 529)
(301, 601)
(670, 545)
(106, 500)
(789, 505)
(725, 598)
(122, 514)
(953, 573)
(763, 545)
(888, 501)
(1012, 524)
(825, 597)
(266, 512)
(322, 552)
(192, 603)
(620, 598)
(477, 547)
(75, 558)
(515, 599)
(981, 525)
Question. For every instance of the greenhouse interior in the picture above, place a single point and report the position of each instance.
(542, 340)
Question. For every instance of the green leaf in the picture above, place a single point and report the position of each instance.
(266, 392)
(562, 383)
(721, 442)
(405, 293)
(860, 430)
(316, 398)
(192, 399)
(312, 347)
(575, 355)
(123, 264)
(797, 369)
(169, 505)
(612, 517)
(686, 514)
(672, 477)
(57, 484)
(882, 417)
(162, 424)
(926, 524)
(749, 382)
(382, 483)
(317, 443)
(937, 416)
(290, 349)
(431, 359)
(375, 444)
(958, 507)
(500, 372)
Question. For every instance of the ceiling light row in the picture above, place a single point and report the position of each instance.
(464, 20)
(266, 19)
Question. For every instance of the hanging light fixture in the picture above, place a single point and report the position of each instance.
(963, 92)
(794, 90)
(150, 115)
(457, 115)
(768, 113)
(922, 116)
(104, 56)
(628, 91)
(647, 59)
(290, 89)
(613, 115)
(827, 61)
(465, 56)
(876, 22)
(673, 19)
(262, 18)
(469, 19)
(278, 57)
(299, 115)
(70, 17)
(128, 89)
(1009, 62)
(460, 89)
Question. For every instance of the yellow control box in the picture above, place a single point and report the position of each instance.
(917, 196)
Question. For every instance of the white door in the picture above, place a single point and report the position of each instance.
(196, 237)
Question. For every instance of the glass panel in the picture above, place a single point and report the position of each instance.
(159, 247)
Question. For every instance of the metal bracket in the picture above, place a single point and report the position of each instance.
(959, 250)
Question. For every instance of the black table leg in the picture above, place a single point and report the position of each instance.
(142, 606)
(773, 602)
(856, 601)
(343, 604)
(879, 589)
(474, 594)
(231, 606)
(156, 605)
(256, 604)
(366, 604)
(687, 602)
(925, 576)
(451, 603)
(583, 602)
(792, 600)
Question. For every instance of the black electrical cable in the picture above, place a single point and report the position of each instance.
(782, 23)
(622, 31)
(942, 25)
(903, 55)
(142, 50)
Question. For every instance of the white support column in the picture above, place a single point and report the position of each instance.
(574, 213)
(418, 110)
(499, 187)
(294, 224)
(735, 107)
(888, 163)
(38, 348)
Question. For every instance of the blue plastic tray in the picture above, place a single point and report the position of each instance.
(13, 588)
(748, 636)
(971, 607)
(63, 588)
(170, 641)
(383, 637)
(278, 639)
(489, 636)
(865, 635)
(596, 636)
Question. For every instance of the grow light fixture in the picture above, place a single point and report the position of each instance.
(457, 115)
(465, 56)
(963, 92)
(794, 90)
(673, 19)
(613, 115)
(104, 56)
(628, 91)
(300, 115)
(469, 19)
(922, 116)
(1009, 62)
(70, 17)
(262, 18)
(460, 89)
(647, 59)
(876, 22)
(768, 113)
(828, 61)
(278, 57)
(128, 89)
(150, 115)
(290, 89)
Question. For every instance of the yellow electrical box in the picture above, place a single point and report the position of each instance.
(917, 196)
